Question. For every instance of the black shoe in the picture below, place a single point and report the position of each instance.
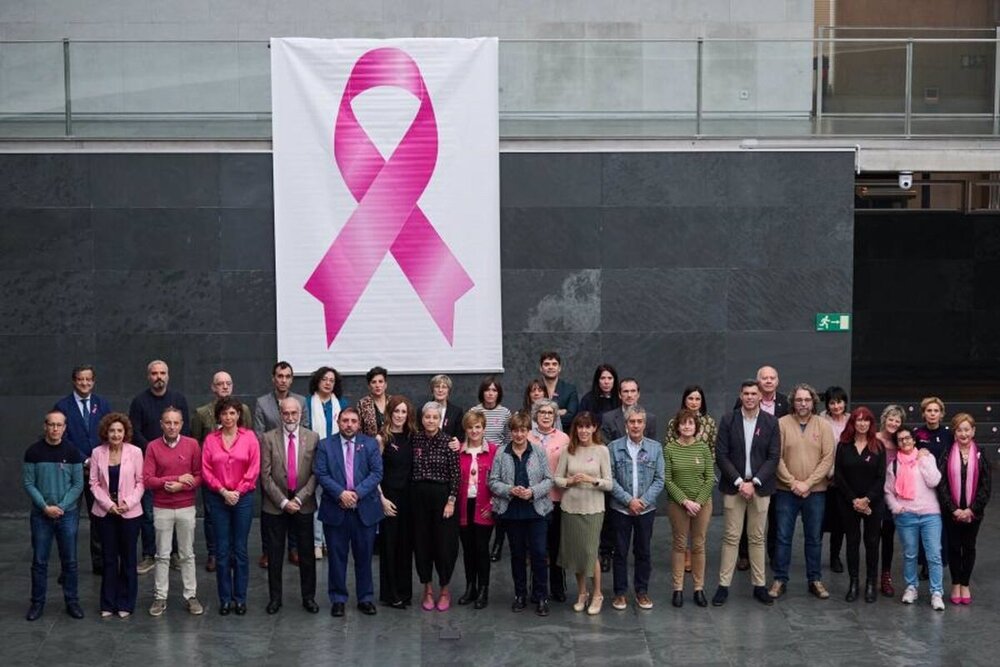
(852, 590)
(469, 595)
(700, 599)
(519, 603)
(74, 610)
(367, 608)
(496, 551)
(225, 608)
(720, 597)
(678, 599)
(310, 605)
(761, 595)
(273, 607)
(870, 593)
(337, 609)
(483, 598)
(605, 562)
(397, 604)
(543, 607)
(240, 609)
(35, 611)
(836, 565)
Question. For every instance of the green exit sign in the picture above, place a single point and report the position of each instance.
(833, 321)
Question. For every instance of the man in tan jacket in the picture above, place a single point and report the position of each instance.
(289, 500)
(807, 450)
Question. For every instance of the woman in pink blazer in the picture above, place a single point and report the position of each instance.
(116, 483)
(475, 519)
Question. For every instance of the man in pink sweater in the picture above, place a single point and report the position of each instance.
(172, 471)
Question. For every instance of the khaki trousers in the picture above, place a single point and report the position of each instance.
(683, 526)
(734, 510)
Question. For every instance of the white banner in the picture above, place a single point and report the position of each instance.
(387, 204)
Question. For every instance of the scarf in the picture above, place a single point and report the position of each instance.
(955, 474)
(906, 475)
(317, 417)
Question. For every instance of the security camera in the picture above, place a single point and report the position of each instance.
(905, 180)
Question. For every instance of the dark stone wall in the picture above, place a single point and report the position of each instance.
(675, 267)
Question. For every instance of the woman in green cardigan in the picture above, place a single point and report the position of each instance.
(688, 476)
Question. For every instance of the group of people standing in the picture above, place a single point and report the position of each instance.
(572, 484)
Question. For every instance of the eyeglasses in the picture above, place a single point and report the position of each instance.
(546, 412)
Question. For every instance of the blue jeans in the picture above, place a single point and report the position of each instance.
(787, 508)
(637, 532)
(64, 530)
(914, 530)
(232, 530)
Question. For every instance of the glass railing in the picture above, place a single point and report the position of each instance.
(833, 86)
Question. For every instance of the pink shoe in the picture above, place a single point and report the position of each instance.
(428, 603)
(967, 600)
(956, 600)
(444, 602)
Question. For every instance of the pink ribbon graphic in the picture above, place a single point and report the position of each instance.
(387, 218)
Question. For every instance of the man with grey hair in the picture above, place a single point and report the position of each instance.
(807, 451)
(637, 467)
(203, 423)
(267, 417)
(145, 413)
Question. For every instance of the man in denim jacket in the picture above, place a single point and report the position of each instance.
(637, 467)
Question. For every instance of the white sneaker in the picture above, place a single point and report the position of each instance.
(937, 602)
(910, 595)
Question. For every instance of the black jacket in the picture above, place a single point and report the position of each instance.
(765, 450)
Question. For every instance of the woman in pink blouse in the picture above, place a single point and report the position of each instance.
(116, 484)
(230, 465)
(545, 434)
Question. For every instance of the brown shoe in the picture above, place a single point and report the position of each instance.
(819, 590)
(742, 564)
(293, 557)
(210, 564)
(619, 602)
(777, 589)
(263, 562)
(642, 599)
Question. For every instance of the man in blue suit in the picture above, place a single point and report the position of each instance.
(348, 465)
(84, 410)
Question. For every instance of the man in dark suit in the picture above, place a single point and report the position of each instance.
(289, 500)
(613, 421)
(747, 451)
(83, 410)
(348, 466)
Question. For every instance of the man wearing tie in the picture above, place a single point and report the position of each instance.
(83, 410)
(289, 501)
(348, 466)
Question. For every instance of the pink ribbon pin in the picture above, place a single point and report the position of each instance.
(387, 218)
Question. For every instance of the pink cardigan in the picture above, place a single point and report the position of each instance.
(130, 487)
(925, 500)
(553, 443)
(484, 506)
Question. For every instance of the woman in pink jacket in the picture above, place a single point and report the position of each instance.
(116, 483)
(910, 492)
(475, 519)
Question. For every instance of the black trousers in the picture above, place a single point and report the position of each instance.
(888, 540)
(276, 527)
(858, 527)
(475, 548)
(833, 521)
(607, 546)
(961, 549)
(435, 539)
(557, 578)
(395, 565)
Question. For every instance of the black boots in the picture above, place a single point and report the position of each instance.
(870, 594)
(470, 595)
(483, 599)
(852, 590)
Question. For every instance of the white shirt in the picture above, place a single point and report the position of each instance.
(633, 451)
(749, 426)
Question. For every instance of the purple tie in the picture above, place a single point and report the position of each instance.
(293, 476)
(349, 465)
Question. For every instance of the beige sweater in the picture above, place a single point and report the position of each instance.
(806, 456)
(584, 498)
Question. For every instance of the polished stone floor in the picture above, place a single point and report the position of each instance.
(798, 630)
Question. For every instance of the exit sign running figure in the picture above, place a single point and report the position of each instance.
(833, 322)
